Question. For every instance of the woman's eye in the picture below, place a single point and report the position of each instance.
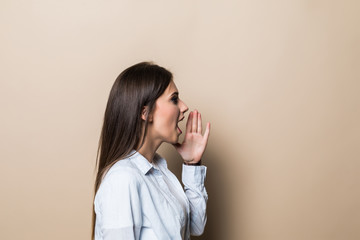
(175, 100)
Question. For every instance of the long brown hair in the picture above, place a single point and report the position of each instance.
(122, 131)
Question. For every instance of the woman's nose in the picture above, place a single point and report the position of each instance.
(183, 107)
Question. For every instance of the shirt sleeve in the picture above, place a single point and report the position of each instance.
(193, 178)
(119, 207)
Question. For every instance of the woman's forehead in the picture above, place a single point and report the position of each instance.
(171, 88)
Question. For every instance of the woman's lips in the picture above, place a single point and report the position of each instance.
(179, 129)
(180, 132)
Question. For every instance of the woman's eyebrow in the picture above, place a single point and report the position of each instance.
(174, 93)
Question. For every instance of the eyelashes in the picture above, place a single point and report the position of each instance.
(175, 99)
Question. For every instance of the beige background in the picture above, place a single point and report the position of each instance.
(278, 80)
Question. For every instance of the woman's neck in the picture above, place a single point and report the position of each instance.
(148, 149)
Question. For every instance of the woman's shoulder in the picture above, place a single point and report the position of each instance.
(121, 179)
(122, 172)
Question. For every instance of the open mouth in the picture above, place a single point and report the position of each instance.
(177, 126)
(179, 130)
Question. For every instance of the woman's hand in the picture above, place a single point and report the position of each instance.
(194, 144)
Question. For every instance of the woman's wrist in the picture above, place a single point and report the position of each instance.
(193, 163)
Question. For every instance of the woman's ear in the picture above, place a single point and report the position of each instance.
(145, 113)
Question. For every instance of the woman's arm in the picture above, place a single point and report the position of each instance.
(117, 205)
(193, 178)
(193, 175)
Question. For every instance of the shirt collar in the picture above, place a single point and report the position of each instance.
(140, 161)
(144, 165)
(159, 161)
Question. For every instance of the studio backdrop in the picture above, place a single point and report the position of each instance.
(278, 80)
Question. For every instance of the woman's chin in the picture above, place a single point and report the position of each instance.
(174, 140)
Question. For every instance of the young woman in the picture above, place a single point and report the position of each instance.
(136, 195)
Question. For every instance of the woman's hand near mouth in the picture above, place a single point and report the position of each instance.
(194, 144)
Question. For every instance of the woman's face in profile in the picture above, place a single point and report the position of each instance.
(169, 110)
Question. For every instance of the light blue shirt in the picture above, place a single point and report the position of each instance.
(138, 200)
